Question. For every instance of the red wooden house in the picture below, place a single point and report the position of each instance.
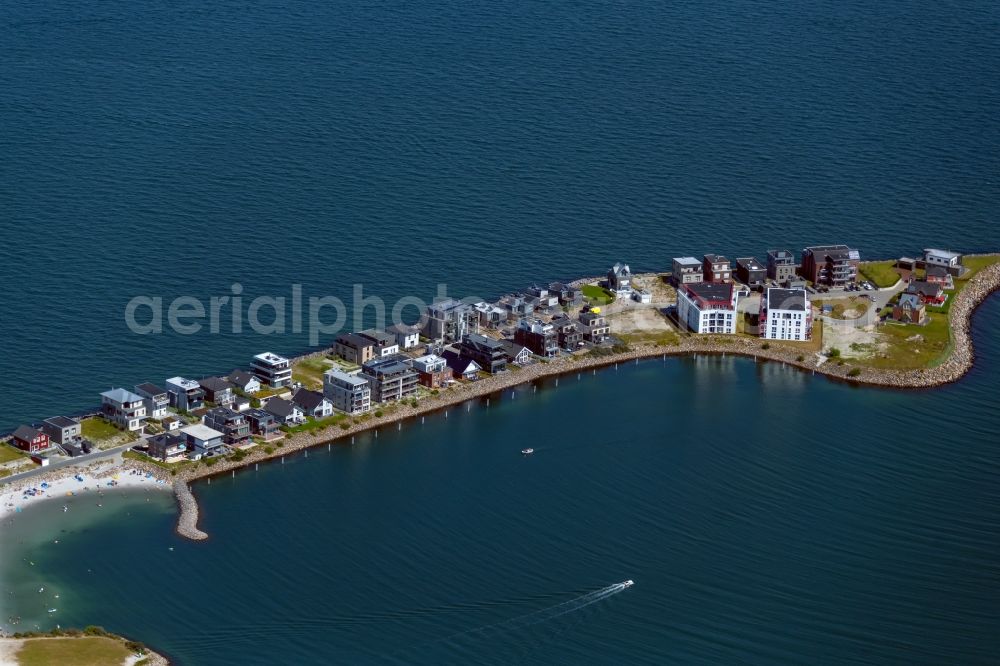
(929, 293)
(938, 275)
(28, 439)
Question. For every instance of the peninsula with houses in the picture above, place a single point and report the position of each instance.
(900, 323)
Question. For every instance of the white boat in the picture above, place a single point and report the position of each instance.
(629, 583)
(527, 452)
(52, 610)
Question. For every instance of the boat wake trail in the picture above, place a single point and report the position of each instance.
(534, 617)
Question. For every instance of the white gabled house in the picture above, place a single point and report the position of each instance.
(244, 381)
(313, 403)
(285, 412)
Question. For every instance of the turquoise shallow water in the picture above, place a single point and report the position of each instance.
(766, 516)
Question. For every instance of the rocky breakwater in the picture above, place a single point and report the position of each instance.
(187, 521)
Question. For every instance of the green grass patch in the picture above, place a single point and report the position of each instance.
(882, 273)
(310, 371)
(104, 434)
(97, 429)
(907, 347)
(974, 264)
(135, 455)
(8, 453)
(596, 295)
(312, 424)
(268, 391)
(845, 308)
(77, 651)
(656, 338)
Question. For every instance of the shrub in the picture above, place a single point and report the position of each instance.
(766, 345)
(800, 358)
(854, 372)
(173, 472)
(279, 444)
(269, 450)
(209, 462)
(345, 425)
(833, 353)
(379, 413)
(413, 403)
(135, 646)
(435, 392)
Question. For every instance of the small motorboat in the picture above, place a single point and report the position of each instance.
(629, 583)
(52, 610)
(527, 452)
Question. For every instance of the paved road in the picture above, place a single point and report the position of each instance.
(882, 298)
(67, 462)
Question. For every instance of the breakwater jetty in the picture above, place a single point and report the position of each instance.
(187, 521)
(958, 361)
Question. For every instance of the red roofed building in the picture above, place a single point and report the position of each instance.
(28, 439)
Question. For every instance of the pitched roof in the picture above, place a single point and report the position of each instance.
(121, 395)
(280, 407)
(26, 433)
(512, 349)
(937, 271)
(307, 399)
(459, 365)
(241, 378)
(214, 384)
(912, 300)
(928, 289)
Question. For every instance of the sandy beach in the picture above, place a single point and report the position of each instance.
(94, 479)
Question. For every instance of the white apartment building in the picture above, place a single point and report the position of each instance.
(707, 307)
(785, 314)
(271, 369)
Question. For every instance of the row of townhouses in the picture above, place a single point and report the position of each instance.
(462, 340)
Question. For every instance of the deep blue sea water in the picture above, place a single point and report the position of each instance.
(766, 515)
(173, 149)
